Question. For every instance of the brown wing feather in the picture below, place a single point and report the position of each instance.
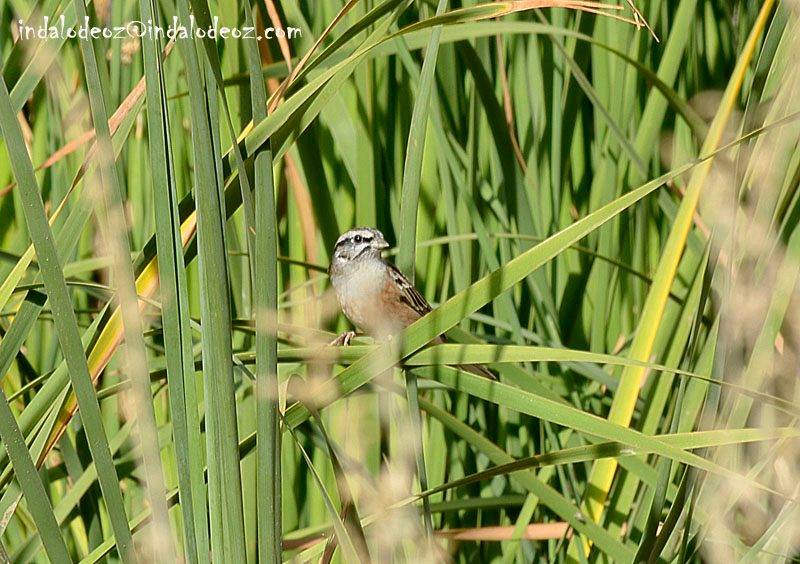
(409, 295)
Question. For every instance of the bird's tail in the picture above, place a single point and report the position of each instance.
(478, 370)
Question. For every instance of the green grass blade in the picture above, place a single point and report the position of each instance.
(409, 202)
(265, 305)
(551, 497)
(345, 542)
(175, 307)
(481, 292)
(224, 478)
(65, 321)
(409, 199)
(686, 441)
(622, 408)
(116, 233)
(24, 469)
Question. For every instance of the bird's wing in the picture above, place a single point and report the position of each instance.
(409, 295)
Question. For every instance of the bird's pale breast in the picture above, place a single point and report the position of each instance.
(366, 302)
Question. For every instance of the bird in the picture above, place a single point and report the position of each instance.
(372, 292)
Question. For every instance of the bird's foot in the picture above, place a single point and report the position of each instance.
(344, 339)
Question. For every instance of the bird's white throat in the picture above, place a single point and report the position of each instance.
(359, 279)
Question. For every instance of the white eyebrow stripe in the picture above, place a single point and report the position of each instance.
(365, 232)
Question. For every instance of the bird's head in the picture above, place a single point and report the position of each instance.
(359, 243)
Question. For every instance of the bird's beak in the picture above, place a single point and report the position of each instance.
(382, 244)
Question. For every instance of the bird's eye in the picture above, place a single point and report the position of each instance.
(358, 238)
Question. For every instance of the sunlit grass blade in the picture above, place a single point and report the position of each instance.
(622, 408)
(685, 441)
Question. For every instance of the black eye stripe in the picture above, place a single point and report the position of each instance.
(359, 238)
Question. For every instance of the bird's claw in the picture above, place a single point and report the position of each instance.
(344, 339)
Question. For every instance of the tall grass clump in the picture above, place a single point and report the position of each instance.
(600, 201)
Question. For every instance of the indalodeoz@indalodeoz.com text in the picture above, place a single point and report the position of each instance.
(59, 29)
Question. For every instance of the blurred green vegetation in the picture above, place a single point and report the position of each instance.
(604, 213)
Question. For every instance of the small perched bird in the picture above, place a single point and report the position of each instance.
(374, 295)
